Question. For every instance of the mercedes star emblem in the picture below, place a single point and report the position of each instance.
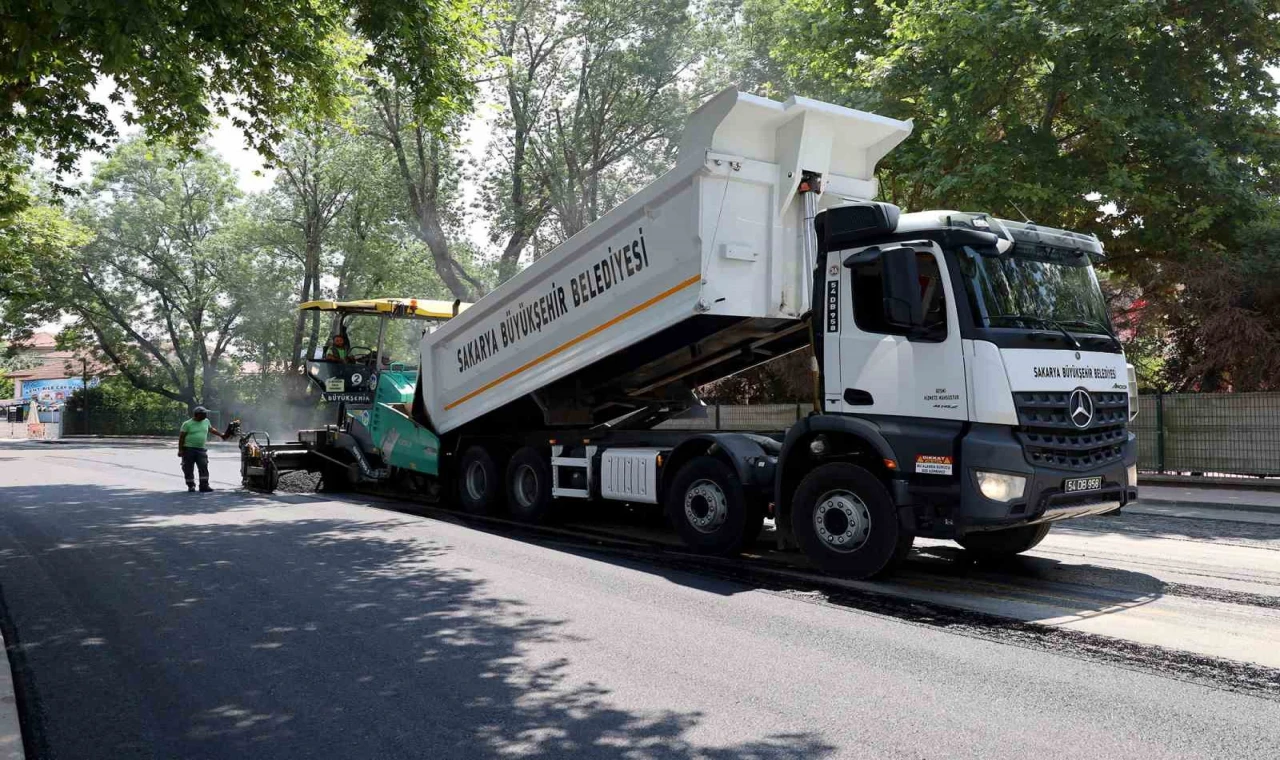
(1080, 408)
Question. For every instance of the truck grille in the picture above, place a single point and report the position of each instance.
(1050, 438)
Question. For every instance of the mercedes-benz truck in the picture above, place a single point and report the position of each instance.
(967, 382)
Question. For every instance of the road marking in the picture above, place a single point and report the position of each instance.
(575, 341)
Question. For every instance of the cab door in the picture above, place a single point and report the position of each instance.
(883, 369)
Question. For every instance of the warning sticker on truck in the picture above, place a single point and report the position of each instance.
(928, 464)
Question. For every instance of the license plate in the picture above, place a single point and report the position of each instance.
(1073, 485)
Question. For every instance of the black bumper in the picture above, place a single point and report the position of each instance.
(994, 448)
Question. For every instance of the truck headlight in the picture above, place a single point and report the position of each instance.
(1133, 474)
(999, 486)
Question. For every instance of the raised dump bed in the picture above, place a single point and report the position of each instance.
(696, 277)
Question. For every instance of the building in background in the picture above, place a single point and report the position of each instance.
(50, 375)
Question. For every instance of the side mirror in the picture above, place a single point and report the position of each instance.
(903, 306)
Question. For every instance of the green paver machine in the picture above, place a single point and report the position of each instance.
(375, 435)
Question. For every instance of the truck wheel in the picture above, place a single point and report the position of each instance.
(711, 509)
(846, 523)
(479, 482)
(529, 485)
(996, 544)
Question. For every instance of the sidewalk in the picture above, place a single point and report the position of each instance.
(10, 728)
(1238, 504)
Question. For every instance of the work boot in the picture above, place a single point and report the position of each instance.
(204, 488)
(191, 488)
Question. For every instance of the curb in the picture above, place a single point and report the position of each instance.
(10, 726)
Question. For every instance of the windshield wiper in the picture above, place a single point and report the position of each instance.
(1091, 323)
(1055, 324)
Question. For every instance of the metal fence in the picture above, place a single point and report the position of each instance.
(1215, 434)
(1210, 434)
(125, 423)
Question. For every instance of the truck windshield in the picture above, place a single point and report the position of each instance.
(1033, 291)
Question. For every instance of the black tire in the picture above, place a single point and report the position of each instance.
(863, 537)
(710, 508)
(999, 544)
(480, 489)
(528, 485)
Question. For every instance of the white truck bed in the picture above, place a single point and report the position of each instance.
(695, 277)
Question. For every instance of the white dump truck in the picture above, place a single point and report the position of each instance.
(967, 382)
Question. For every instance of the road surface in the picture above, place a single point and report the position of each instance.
(146, 622)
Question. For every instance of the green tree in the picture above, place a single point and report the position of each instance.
(12, 359)
(428, 171)
(261, 248)
(318, 170)
(36, 240)
(332, 227)
(1152, 124)
(591, 97)
(175, 64)
(151, 292)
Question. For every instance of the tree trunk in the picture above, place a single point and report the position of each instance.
(295, 354)
(509, 261)
(431, 233)
(313, 257)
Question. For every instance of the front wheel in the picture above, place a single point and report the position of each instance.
(711, 509)
(846, 523)
(998, 544)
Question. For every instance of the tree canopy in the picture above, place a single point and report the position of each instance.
(1151, 123)
(173, 65)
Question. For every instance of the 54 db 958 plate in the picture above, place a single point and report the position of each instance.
(1074, 485)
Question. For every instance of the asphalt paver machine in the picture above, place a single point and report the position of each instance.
(373, 393)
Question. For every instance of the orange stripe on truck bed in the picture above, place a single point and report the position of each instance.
(570, 344)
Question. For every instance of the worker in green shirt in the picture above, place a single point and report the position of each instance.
(192, 438)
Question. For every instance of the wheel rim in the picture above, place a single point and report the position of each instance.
(842, 521)
(526, 485)
(477, 481)
(705, 506)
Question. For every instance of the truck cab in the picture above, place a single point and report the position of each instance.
(969, 365)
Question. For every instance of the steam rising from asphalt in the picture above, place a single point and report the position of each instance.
(282, 417)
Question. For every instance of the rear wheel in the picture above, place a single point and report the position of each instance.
(529, 485)
(998, 544)
(479, 482)
(711, 509)
(846, 523)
